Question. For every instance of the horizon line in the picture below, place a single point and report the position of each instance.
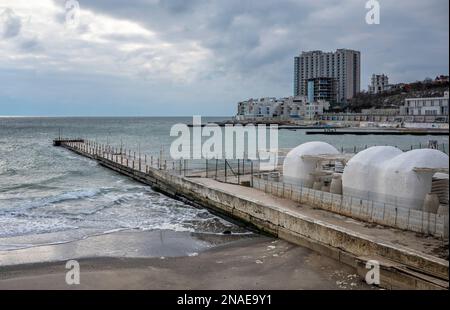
(105, 116)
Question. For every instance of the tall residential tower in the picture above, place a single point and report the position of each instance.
(344, 66)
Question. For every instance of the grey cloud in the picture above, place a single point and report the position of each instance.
(241, 36)
(31, 44)
(178, 6)
(10, 24)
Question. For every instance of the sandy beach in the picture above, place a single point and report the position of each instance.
(257, 262)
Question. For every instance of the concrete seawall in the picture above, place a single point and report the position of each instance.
(351, 243)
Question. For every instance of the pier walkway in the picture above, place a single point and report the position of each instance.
(407, 260)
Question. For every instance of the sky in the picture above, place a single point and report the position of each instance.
(180, 58)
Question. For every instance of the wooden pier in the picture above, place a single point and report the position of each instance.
(410, 264)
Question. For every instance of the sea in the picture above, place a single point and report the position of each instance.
(49, 195)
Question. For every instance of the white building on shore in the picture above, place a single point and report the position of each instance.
(426, 106)
(296, 107)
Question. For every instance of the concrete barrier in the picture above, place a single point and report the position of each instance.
(366, 210)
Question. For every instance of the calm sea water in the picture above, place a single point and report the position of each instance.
(49, 194)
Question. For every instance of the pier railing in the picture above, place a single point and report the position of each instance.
(443, 147)
(225, 170)
(385, 214)
(234, 171)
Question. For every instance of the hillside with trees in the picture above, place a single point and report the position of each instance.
(397, 95)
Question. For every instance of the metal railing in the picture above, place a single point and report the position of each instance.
(387, 214)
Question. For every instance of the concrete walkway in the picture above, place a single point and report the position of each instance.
(403, 239)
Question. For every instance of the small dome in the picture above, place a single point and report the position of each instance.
(361, 174)
(422, 158)
(406, 187)
(297, 169)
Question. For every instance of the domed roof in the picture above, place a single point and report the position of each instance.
(422, 158)
(407, 186)
(362, 173)
(296, 168)
(374, 155)
(312, 148)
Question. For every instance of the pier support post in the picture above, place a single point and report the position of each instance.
(251, 172)
(225, 168)
(217, 163)
(239, 178)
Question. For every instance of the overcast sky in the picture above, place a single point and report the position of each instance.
(185, 57)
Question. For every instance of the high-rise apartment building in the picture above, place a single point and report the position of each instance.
(344, 66)
(322, 88)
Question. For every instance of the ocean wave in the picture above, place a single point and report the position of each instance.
(28, 186)
(178, 227)
(9, 172)
(17, 226)
(20, 206)
(72, 195)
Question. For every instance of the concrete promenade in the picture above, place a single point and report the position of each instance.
(407, 260)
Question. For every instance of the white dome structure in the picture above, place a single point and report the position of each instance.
(388, 175)
(403, 185)
(296, 169)
(361, 177)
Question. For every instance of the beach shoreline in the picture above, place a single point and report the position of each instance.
(258, 262)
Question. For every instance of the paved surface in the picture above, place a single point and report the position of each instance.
(398, 238)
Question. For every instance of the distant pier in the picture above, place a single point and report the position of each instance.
(282, 125)
(384, 132)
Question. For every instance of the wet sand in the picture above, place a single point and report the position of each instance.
(251, 263)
